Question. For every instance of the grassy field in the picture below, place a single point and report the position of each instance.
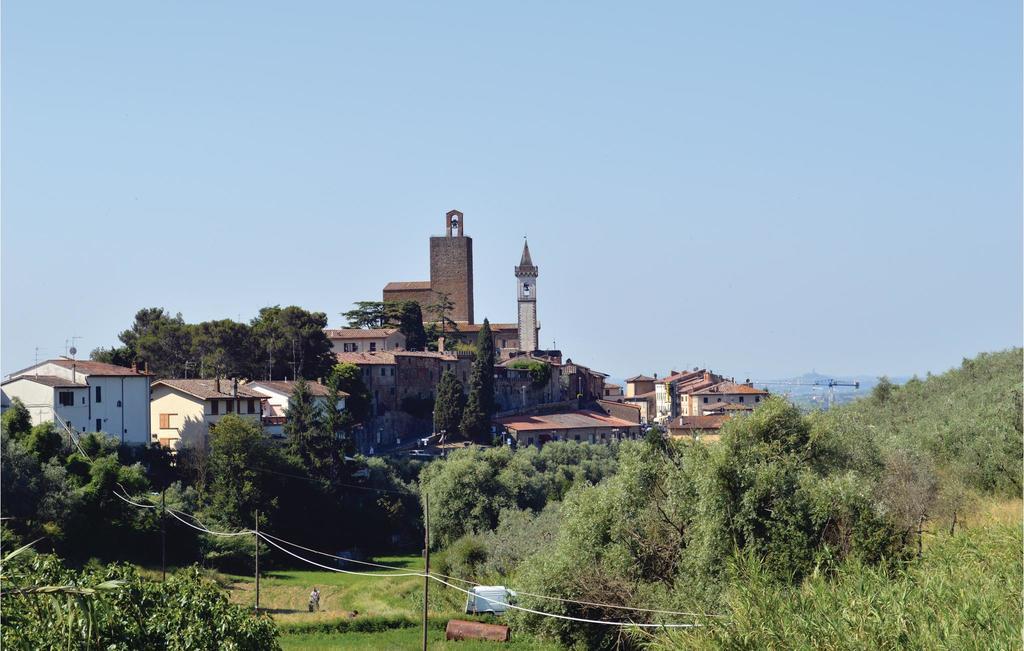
(360, 612)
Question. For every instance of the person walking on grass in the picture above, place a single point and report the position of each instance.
(314, 600)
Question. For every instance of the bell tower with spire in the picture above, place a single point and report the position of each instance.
(526, 279)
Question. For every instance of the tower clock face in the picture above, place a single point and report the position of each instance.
(526, 289)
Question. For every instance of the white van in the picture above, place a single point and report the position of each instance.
(490, 599)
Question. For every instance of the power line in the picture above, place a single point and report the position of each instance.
(474, 583)
(557, 616)
(337, 569)
(340, 558)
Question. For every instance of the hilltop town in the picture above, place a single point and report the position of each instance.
(401, 346)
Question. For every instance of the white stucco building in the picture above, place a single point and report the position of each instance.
(278, 392)
(88, 396)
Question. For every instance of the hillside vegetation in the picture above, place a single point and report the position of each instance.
(964, 425)
(856, 528)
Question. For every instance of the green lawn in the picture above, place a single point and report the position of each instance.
(285, 594)
(400, 639)
(349, 604)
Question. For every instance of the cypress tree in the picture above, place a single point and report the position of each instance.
(449, 405)
(476, 418)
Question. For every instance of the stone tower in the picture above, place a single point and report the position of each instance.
(451, 266)
(526, 279)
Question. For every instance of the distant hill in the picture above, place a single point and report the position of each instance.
(808, 391)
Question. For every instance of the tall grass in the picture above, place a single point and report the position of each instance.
(964, 593)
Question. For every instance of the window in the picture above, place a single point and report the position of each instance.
(705, 400)
(383, 372)
(251, 406)
(741, 398)
(757, 398)
(577, 437)
(392, 371)
(99, 395)
(99, 424)
(66, 398)
(215, 407)
(373, 346)
(165, 421)
(230, 405)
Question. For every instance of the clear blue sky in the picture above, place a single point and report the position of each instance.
(763, 188)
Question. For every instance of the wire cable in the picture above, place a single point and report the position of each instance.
(225, 534)
(336, 569)
(475, 583)
(567, 617)
(340, 558)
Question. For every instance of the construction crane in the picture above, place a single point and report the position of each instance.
(829, 386)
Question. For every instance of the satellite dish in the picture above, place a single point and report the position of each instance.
(73, 350)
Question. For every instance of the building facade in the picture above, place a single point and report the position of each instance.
(85, 395)
(278, 393)
(584, 426)
(724, 396)
(182, 412)
(365, 340)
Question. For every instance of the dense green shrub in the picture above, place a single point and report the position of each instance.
(114, 609)
(472, 487)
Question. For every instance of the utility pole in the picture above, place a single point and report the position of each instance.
(426, 563)
(257, 560)
(163, 535)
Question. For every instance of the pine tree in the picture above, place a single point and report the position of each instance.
(476, 418)
(449, 405)
(303, 425)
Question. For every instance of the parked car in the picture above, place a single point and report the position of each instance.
(489, 599)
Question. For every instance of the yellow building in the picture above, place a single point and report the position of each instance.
(182, 411)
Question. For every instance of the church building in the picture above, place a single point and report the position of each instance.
(451, 274)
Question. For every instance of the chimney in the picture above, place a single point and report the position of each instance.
(707, 376)
(234, 388)
(216, 385)
(440, 344)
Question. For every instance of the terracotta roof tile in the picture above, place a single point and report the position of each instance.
(364, 359)
(640, 378)
(407, 285)
(207, 389)
(581, 419)
(731, 388)
(48, 380)
(90, 367)
(288, 386)
(360, 333)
